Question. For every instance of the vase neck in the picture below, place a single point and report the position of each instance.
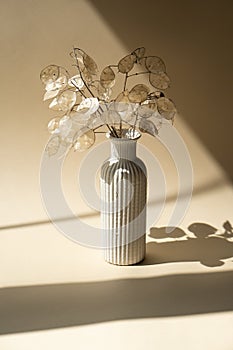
(123, 148)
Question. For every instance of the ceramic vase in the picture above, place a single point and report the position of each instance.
(123, 188)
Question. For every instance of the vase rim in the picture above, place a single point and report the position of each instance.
(136, 136)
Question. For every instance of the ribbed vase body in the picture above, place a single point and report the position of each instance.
(123, 195)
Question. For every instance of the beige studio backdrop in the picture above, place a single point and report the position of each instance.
(194, 38)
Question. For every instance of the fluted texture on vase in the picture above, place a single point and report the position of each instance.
(123, 194)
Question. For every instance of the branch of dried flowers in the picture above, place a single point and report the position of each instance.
(155, 68)
(113, 131)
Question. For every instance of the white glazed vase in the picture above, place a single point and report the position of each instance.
(123, 188)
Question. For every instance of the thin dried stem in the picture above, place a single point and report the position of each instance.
(113, 66)
(113, 131)
(79, 90)
(132, 75)
(125, 82)
(134, 126)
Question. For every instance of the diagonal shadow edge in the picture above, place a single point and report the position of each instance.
(201, 189)
(34, 308)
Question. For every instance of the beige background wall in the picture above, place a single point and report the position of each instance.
(193, 37)
(33, 35)
(50, 286)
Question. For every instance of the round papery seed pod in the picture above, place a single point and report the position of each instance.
(49, 74)
(148, 127)
(155, 64)
(53, 126)
(90, 64)
(107, 77)
(139, 52)
(139, 93)
(166, 108)
(66, 100)
(159, 80)
(126, 64)
(84, 140)
(53, 146)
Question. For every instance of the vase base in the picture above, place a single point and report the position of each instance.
(129, 254)
(128, 264)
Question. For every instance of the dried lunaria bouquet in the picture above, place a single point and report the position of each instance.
(84, 101)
